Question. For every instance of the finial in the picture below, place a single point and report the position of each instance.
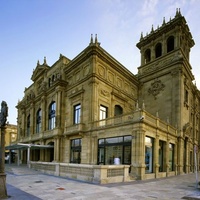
(180, 12)
(91, 39)
(143, 105)
(141, 37)
(45, 62)
(157, 115)
(61, 55)
(96, 41)
(176, 12)
(38, 63)
(163, 21)
(152, 30)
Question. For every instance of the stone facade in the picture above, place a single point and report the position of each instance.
(94, 111)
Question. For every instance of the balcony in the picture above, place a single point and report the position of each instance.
(74, 129)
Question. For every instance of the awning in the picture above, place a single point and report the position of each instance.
(25, 146)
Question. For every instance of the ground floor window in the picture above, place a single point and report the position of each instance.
(116, 150)
(75, 156)
(161, 156)
(149, 154)
(171, 157)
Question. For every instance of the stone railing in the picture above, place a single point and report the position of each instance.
(135, 117)
(100, 174)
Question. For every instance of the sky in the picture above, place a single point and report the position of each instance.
(34, 29)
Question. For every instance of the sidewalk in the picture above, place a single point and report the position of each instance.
(29, 184)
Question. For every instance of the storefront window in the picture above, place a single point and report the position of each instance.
(171, 157)
(115, 150)
(75, 151)
(148, 154)
(161, 156)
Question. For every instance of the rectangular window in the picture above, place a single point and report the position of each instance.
(161, 156)
(103, 114)
(186, 96)
(77, 114)
(75, 151)
(171, 157)
(116, 150)
(149, 155)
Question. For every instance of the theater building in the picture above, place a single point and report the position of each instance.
(90, 118)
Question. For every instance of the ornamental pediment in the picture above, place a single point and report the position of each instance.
(39, 71)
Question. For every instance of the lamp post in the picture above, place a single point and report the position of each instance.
(3, 119)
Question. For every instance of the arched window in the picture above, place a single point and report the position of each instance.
(118, 110)
(147, 56)
(28, 125)
(38, 121)
(52, 115)
(170, 44)
(158, 50)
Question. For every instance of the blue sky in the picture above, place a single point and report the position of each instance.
(34, 29)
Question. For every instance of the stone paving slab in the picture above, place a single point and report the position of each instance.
(28, 184)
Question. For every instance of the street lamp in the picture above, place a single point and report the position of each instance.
(3, 119)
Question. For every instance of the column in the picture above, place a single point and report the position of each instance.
(44, 111)
(138, 154)
(58, 106)
(3, 189)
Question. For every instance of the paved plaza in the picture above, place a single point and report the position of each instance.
(29, 184)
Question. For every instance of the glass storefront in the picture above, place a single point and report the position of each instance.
(75, 151)
(171, 157)
(149, 154)
(116, 150)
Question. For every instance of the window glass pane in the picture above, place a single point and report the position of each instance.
(114, 140)
(103, 112)
(161, 156)
(101, 141)
(171, 157)
(114, 150)
(127, 138)
(148, 154)
(101, 156)
(127, 155)
(77, 114)
(75, 151)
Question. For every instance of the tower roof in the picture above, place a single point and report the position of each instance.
(178, 20)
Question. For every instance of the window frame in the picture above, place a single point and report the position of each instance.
(52, 115)
(39, 120)
(77, 114)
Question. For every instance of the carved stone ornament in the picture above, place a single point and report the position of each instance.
(156, 87)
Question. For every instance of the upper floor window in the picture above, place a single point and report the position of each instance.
(38, 121)
(170, 44)
(77, 114)
(186, 99)
(103, 112)
(28, 125)
(118, 110)
(147, 56)
(52, 115)
(158, 50)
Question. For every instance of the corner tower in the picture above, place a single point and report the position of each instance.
(165, 74)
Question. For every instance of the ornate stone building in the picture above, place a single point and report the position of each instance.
(92, 111)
